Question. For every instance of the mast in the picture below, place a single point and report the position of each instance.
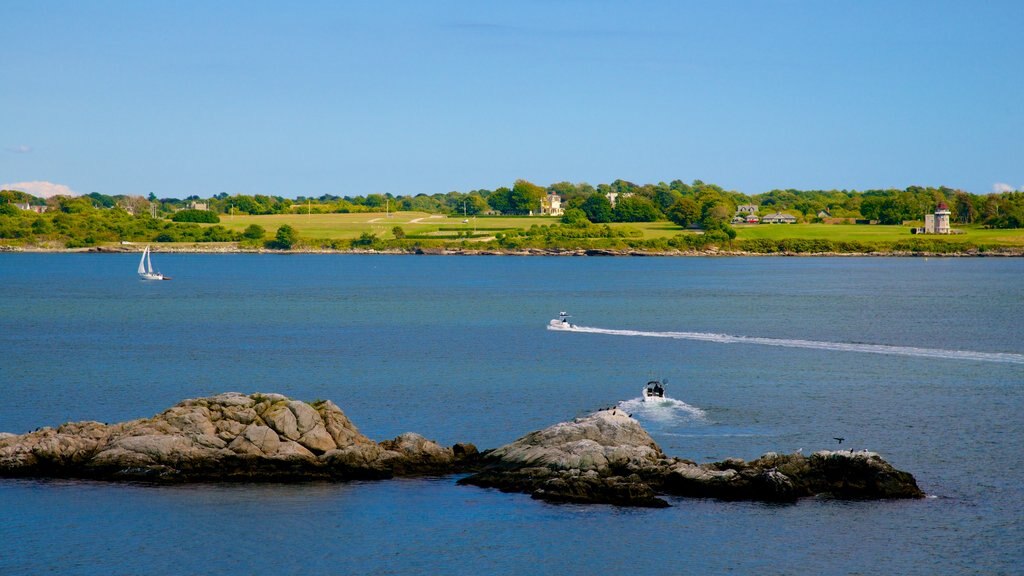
(149, 263)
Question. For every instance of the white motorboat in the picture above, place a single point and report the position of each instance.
(654, 390)
(561, 323)
(146, 271)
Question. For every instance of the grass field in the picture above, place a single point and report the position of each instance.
(873, 233)
(348, 226)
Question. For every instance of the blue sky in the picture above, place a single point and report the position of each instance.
(350, 98)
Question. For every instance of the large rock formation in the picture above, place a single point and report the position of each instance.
(607, 457)
(224, 437)
(603, 457)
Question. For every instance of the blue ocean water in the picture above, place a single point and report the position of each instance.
(455, 348)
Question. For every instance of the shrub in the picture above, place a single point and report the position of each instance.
(204, 216)
(254, 232)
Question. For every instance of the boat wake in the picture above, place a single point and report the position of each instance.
(1000, 357)
(663, 410)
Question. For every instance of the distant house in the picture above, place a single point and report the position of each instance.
(778, 218)
(824, 214)
(614, 196)
(196, 205)
(551, 205)
(746, 209)
(30, 208)
(752, 219)
(737, 219)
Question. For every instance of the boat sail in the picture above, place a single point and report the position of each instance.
(146, 268)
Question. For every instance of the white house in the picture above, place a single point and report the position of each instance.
(746, 209)
(614, 196)
(551, 205)
(778, 218)
(31, 208)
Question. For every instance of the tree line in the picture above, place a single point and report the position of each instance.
(93, 218)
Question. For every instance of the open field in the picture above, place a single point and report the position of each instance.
(873, 233)
(348, 226)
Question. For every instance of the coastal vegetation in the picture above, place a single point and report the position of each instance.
(620, 216)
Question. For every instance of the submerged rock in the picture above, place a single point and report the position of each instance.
(231, 436)
(608, 458)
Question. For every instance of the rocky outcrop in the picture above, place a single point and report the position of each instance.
(605, 457)
(599, 458)
(608, 458)
(226, 437)
(843, 474)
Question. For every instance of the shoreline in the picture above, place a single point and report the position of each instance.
(1006, 252)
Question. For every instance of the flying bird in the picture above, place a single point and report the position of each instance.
(838, 439)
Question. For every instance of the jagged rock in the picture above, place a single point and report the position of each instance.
(585, 460)
(608, 458)
(228, 436)
(411, 452)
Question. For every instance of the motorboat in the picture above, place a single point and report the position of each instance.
(561, 323)
(654, 390)
(146, 271)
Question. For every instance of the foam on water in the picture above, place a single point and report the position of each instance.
(664, 411)
(1000, 357)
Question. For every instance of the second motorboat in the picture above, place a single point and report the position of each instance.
(561, 323)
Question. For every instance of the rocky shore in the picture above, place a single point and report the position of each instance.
(605, 457)
(220, 248)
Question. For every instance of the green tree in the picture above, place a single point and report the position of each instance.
(285, 238)
(365, 239)
(475, 204)
(665, 198)
(963, 208)
(597, 208)
(501, 200)
(635, 209)
(684, 212)
(204, 216)
(398, 232)
(714, 213)
(101, 200)
(525, 197)
(575, 217)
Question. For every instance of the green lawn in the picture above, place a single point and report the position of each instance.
(348, 226)
(872, 233)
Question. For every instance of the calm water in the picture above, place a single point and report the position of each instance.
(455, 348)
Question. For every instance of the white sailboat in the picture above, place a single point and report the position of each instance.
(146, 268)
